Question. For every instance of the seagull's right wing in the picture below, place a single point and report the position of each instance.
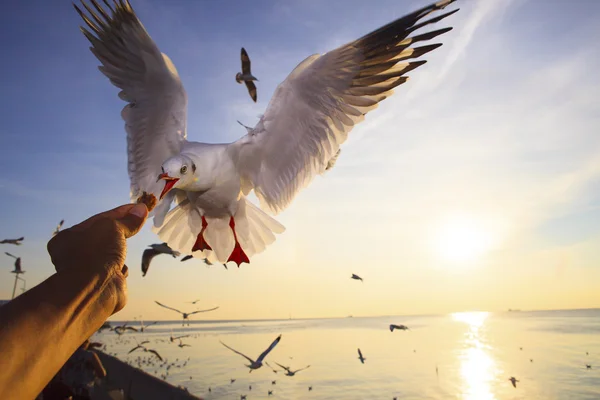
(284, 367)
(155, 353)
(155, 118)
(271, 347)
(237, 352)
(170, 308)
(360, 353)
(135, 348)
(251, 90)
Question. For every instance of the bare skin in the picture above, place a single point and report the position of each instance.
(42, 328)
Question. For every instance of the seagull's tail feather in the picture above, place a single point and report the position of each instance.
(254, 228)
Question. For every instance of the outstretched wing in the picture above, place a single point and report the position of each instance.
(237, 352)
(10, 255)
(135, 348)
(167, 307)
(301, 369)
(199, 311)
(251, 90)
(284, 367)
(245, 62)
(323, 98)
(360, 353)
(147, 257)
(155, 353)
(155, 118)
(271, 347)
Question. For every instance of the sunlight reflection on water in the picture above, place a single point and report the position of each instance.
(477, 368)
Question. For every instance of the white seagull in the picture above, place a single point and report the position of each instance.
(256, 364)
(309, 116)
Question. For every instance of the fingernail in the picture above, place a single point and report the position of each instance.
(139, 210)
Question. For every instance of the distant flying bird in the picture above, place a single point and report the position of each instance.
(181, 344)
(143, 327)
(205, 260)
(588, 366)
(60, 224)
(256, 364)
(310, 388)
(147, 351)
(120, 329)
(513, 380)
(356, 277)
(289, 372)
(153, 251)
(186, 315)
(308, 118)
(18, 269)
(194, 302)
(360, 357)
(242, 397)
(95, 345)
(270, 392)
(231, 380)
(16, 242)
(246, 75)
(401, 327)
(273, 382)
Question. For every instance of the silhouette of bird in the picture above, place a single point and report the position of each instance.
(360, 356)
(58, 227)
(153, 251)
(18, 269)
(289, 372)
(231, 380)
(181, 344)
(204, 260)
(246, 75)
(310, 388)
(272, 369)
(270, 392)
(16, 242)
(401, 327)
(356, 277)
(513, 380)
(256, 364)
(588, 366)
(185, 315)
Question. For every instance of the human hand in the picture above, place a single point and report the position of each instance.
(98, 247)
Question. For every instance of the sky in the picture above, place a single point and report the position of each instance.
(476, 186)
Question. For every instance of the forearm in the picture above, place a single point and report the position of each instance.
(42, 328)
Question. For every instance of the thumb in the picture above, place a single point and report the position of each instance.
(133, 221)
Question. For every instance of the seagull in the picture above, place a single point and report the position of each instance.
(16, 242)
(194, 302)
(139, 346)
(186, 315)
(206, 261)
(143, 327)
(289, 372)
(360, 357)
(310, 388)
(356, 277)
(18, 269)
(242, 397)
(153, 251)
(513, 380)
(181, 344)
(232, 380)
(309, 116)
(273, 382)
(120, 329)
(401, 327)
(246, 75)
(60, 224)
(588, 366)
(270, 392)
(256, 364)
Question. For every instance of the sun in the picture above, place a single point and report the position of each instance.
(462, 238)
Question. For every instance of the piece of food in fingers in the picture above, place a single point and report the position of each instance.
(148, 199)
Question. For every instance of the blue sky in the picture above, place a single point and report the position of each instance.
(500, 128)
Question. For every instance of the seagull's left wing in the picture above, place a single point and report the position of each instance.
(314, 109)
(245, 62)
(271, 347)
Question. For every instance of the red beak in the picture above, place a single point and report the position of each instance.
(170, 182)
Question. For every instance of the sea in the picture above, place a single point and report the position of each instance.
(468, 355)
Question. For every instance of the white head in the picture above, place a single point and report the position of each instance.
(178, 172)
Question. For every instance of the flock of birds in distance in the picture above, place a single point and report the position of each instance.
(375, 74)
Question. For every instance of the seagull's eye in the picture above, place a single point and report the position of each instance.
(183, 169)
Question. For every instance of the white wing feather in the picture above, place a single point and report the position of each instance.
(155, 118)
(314, 109)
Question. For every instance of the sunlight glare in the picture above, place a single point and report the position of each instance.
(462, 238)
(477, 367)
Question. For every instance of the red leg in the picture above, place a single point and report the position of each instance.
(200, 242)
(237, 255)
